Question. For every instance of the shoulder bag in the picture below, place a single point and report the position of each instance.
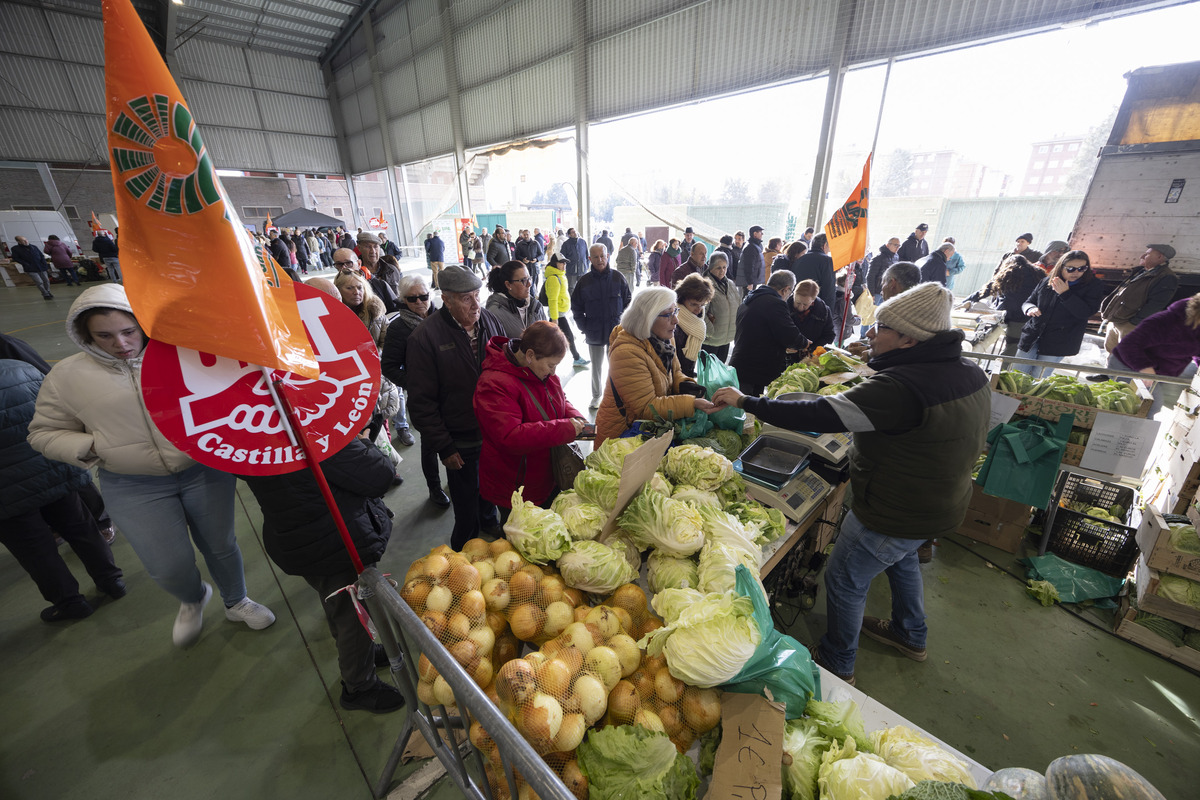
(566, 460)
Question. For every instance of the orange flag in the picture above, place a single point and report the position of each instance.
(194, 276)
(94, 224)
(847, 230)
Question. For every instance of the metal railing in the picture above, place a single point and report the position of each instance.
(403, 635)
(1093, 368)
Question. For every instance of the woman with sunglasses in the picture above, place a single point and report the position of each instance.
(416, 305)
(1058, 311)
(644, 376)
(512, 299)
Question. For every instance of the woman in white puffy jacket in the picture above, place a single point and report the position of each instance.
(90, 413)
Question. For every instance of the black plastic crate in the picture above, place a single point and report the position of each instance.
(1093, 542)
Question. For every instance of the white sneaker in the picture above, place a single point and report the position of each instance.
(190, 620)
(256, 615)
(595, 404)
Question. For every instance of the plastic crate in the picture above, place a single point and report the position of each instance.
(1106, 546)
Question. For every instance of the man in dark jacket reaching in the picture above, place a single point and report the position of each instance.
(765, 332)
(879, 265)
(919, 423)
(300, 536)
(444, 358)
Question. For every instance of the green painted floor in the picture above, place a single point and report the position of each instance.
(107, 708)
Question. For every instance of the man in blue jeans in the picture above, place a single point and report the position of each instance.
(919, 423)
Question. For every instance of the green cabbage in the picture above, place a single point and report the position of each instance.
(838, 720)
(695, 497)
(766, 524)
(594, 567)
(846, 774)
(833, 388)
(733, 490)
(726, 544)
(718, 565)
(621, 541)
(1184, 539)
(698, 466)
(584, 520)
(565, 500)
(803, 745)
(597, 488)
(706, 638)
(1179, 590)
(652, 520)
(665, 571)
(610, 455)
(1044, 592)
(537, 534)
(730, 443)
(659, 483)
(628, 761)
(919, 757)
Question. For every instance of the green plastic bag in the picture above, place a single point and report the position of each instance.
(780, 663)
(712, 374)
(1023, 459)
(1074, 582)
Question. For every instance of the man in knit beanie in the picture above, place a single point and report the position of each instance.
(919, 423)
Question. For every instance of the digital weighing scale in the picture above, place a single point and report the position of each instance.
(832, 448)
(796, 498)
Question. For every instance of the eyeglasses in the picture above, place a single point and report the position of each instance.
(343, 263)
(417, 298)
(669, 314)
(879, 327)
(526, 281)
(1074, 269)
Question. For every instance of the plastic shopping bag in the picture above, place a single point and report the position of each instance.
(1023, 459)
(712, 374)
(1074, 582)
(780, 663)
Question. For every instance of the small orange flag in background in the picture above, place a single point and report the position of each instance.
(847, 230)
(194, 277)
(94, 224)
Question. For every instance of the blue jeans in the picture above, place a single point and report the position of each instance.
(859, 555)
(1029, 369)
(155, 512)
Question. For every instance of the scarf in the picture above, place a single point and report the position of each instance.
(695, 329)
(673, 251)
(411, 318)
(666, 352)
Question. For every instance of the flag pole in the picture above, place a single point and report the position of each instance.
(279, 392)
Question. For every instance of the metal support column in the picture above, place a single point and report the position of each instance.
(48, 184)
(833, 98)
(381, 113)
(169, 23)
(339, 129)
(450, 60)
(582, 184)
(302, 187)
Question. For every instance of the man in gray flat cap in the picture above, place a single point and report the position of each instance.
(1148, 290)
(444, 358)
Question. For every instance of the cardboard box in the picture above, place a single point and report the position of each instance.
(1148, 599)
(1085, 416)
(1130, 631)
(995, 521)
(1153, 539)
(16, 277)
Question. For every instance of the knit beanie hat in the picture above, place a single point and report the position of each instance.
(921, 312)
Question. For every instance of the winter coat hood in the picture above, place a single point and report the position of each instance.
(105, 295)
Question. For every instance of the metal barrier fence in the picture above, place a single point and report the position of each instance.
(403, 636)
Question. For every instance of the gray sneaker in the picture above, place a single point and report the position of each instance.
(190, 620)
(881, 631)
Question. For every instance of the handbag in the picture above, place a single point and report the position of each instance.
(566, 460)
(1023, 459)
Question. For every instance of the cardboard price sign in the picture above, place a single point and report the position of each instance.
(750, 756)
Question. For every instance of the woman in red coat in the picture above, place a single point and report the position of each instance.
(523, 412)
